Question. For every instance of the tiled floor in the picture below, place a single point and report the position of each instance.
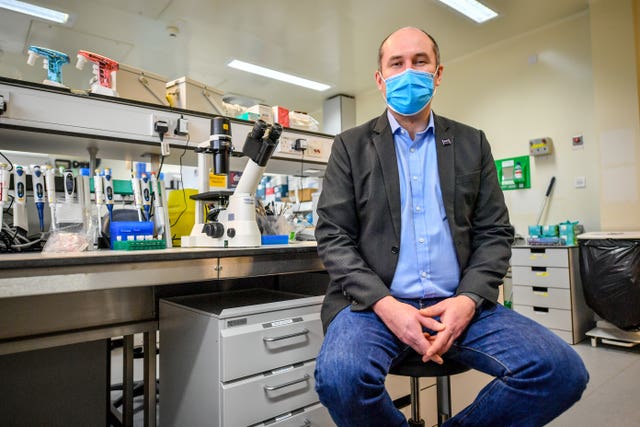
(612, 397)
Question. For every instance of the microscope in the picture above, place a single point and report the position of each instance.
(235, 225)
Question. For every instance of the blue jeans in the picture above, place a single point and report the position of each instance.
(537, 375)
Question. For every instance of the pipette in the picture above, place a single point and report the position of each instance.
(20, 202)
(137, 195)
(4, 190)
(37, 179)
(50, 182)
(103, 69)
(158, 210)
(108, 192)
(69, 185)
(97, 189)
(146, 195)
(52, 62)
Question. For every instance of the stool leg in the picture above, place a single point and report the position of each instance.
(443, 391)
(415, 420)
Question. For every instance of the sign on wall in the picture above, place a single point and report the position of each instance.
(514, 173)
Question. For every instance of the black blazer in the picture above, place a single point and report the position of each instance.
(358, 229)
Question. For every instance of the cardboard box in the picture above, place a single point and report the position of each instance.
(134, 83)
(189, 94)
(265, 112)
(281, 115)
(304, 194)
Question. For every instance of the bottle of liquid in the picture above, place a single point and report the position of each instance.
(518, 175)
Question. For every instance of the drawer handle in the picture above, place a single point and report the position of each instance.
(541, 309)
(279, 386)
(538, 290)
(305, 331)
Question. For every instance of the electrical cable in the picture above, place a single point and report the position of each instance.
(299, 189)
(184, 195)
(7, 159)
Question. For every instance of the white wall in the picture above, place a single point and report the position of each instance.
(617, 123)
(499, 91)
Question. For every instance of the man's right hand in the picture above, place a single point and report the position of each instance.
(406, 322)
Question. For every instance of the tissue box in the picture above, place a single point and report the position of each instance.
(264, 112)
(189, 94)
(252, 117)
(569, 232)
(550, 230)
(134, 83)
(535, 231)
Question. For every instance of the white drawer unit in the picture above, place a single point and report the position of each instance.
(240, 358)
(546, 287)
(312, 416)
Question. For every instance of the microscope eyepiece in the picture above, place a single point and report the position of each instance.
(259, 128)
(275, 132)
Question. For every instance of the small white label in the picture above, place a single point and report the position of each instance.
(282, 322)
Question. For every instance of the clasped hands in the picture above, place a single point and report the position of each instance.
(407, 323)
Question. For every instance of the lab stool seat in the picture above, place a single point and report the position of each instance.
(413, 367)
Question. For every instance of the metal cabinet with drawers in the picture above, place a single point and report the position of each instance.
(547, 288)
(240, 358)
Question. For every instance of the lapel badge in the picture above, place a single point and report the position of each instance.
(446, 141)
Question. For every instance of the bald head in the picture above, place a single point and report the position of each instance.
(403, 33)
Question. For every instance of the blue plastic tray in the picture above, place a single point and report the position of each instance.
(278, 239)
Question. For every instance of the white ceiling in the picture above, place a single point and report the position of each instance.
(331, 41)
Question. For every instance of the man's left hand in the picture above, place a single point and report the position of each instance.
(455, 313)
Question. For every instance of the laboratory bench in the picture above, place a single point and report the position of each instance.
(54, 301)
(57, 309)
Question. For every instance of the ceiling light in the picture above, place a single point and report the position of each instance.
(278, 75)
(472, 9)
(37, 11)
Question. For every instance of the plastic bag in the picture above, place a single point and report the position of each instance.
(70, 239)
(610, 270)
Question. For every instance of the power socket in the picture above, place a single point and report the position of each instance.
(182, 127)
(300, 144)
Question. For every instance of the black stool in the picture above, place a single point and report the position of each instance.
(412, 366)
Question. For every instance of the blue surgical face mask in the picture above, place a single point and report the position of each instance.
(409, 92)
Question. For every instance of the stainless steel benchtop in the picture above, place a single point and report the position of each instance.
(40, 274)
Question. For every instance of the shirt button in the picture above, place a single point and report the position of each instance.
(421, 240)
(423, 274)
(412, 150)
(415, 178)
(418, 208)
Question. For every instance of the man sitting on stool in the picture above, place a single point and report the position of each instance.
(415, 235)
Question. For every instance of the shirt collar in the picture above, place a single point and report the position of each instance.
(395, 125)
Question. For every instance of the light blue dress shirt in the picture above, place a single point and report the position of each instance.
(427, 265)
